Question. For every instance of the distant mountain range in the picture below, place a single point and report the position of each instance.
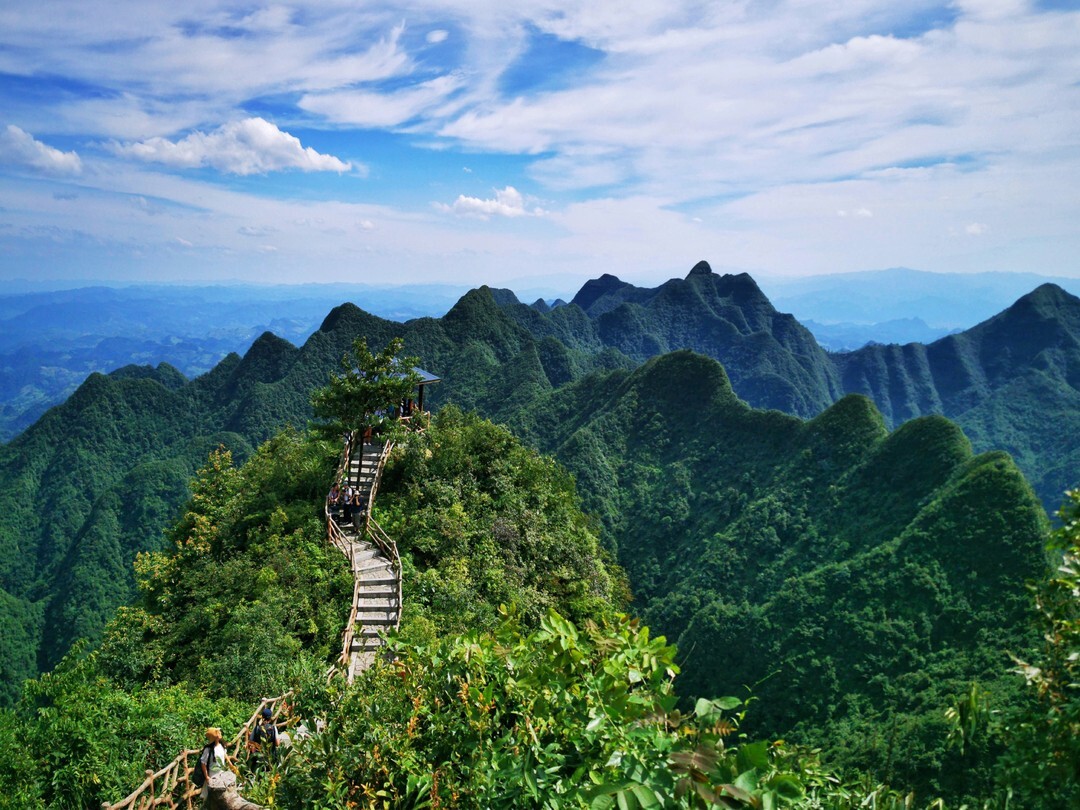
(838, 337)
(994, 379)
(51, 340)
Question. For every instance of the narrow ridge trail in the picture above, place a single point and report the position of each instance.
(376, 607)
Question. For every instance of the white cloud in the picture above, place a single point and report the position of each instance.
(22, 149)
(864, 213)
(251, 146)
(436, 36)
(976, 229)
(507, 202)
(183, 242)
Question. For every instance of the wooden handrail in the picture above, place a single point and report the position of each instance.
(377, 532)
(383, 456)
(177, 774)
(350, 627)
(163, 785)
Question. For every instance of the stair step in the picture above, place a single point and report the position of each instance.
(382, 582)
(384, 621)
(371, 563)
(368, 576)
(384, 594)
(361, 646)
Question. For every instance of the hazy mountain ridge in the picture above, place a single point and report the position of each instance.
(993, 379)
(51, 341)
(1012, 382)
(943, 300)
(845, 336)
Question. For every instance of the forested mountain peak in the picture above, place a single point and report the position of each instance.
(701, 268)
(597, 288)
(503, 297)
(164, 373)
(684, 385)
(268, 358)
(480, 300)
(343, 316)
(1045, 304)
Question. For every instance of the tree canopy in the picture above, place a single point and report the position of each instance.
(369, 387)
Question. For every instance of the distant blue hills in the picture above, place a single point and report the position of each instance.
(944, 301)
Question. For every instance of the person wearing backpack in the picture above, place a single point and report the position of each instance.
(264, 736)
(212, 760)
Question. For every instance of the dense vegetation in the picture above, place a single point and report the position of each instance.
(854, 580)
(865, 624)
(250, 599)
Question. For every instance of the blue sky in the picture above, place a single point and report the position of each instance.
(536, 142)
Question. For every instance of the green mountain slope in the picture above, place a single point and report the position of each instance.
(1012, 383)
(773, 361)
(97, 479)
(854, 578)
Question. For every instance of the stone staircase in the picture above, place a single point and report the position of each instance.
(376, 569)
(364, 467)
(376, 607)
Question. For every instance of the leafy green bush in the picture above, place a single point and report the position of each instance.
(558, 717)
(1042, 763)
(481, 520)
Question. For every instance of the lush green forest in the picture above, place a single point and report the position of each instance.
(555, 700)
(109, 466)
(849, 577)
(844, 582)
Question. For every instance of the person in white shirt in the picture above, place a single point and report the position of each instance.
(212, 760)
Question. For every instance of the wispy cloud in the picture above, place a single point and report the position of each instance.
(251, 146)
(370, 108)
(20, 148)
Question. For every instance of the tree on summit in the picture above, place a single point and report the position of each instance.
(368, 389)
